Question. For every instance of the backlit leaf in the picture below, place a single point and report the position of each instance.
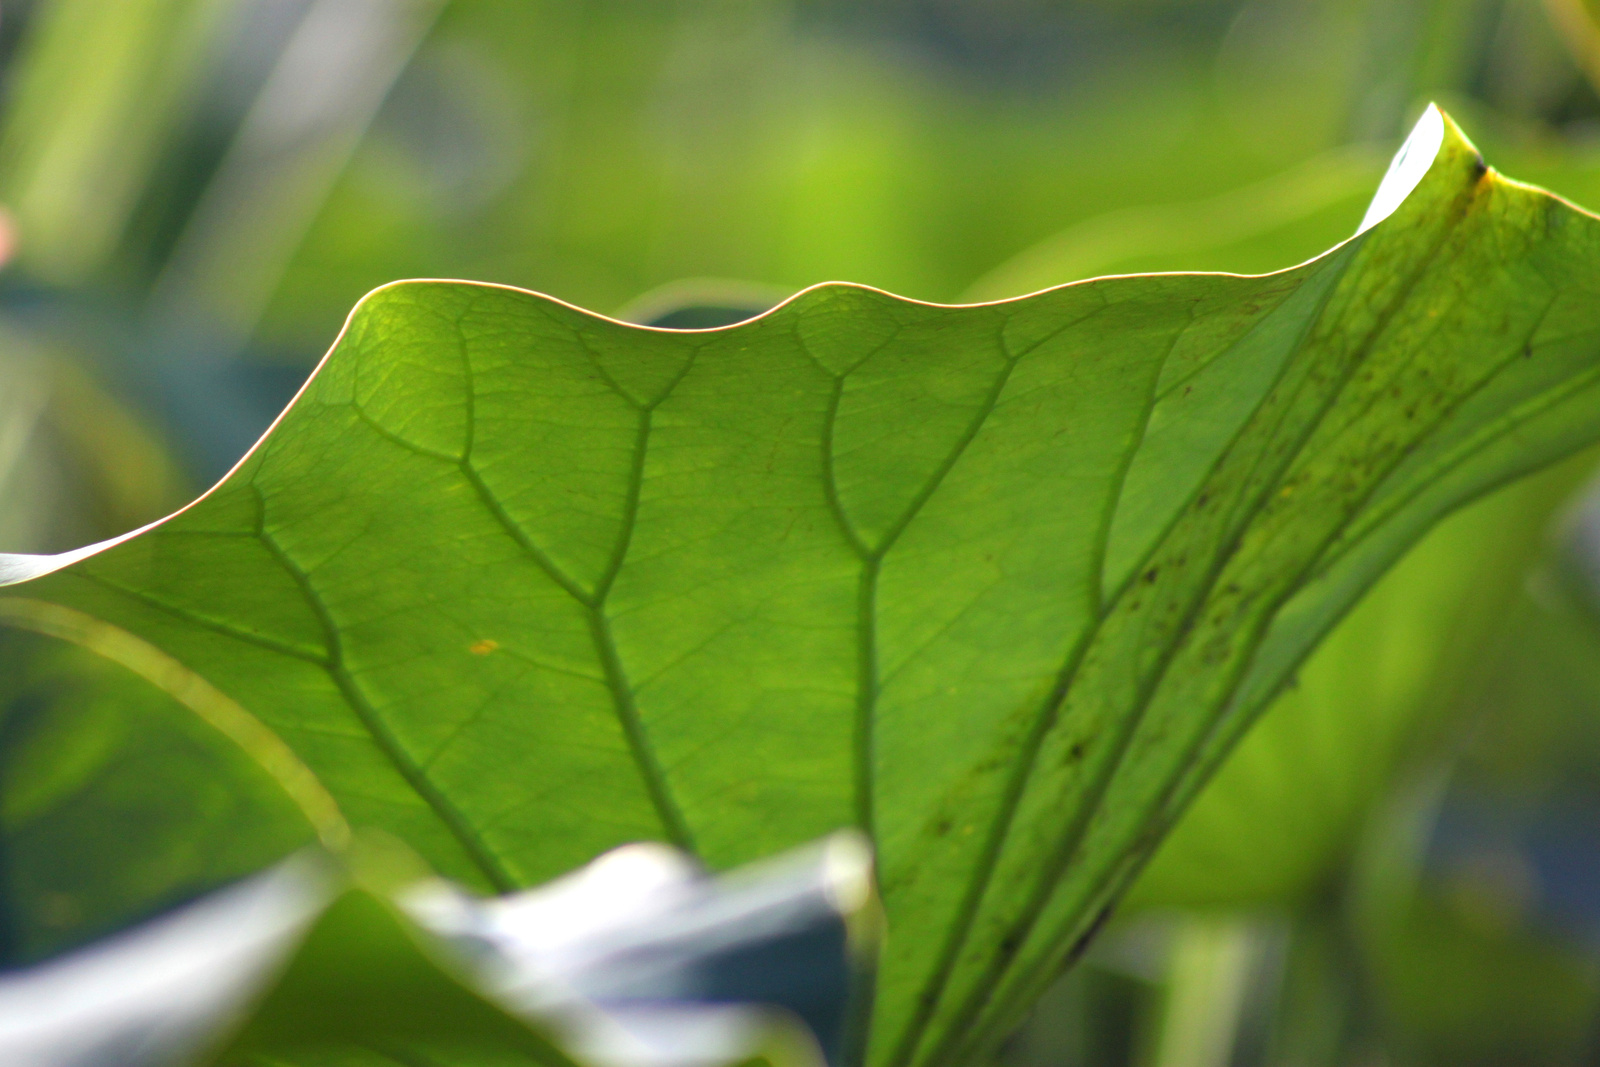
(999, 583)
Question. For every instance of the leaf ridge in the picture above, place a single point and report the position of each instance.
(983, 869)
(1210, 470)
(624, 700)
(1108, 514)
(867, 689)
(866, 613)
(1342, 547)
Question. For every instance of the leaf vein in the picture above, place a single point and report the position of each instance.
(385, 739)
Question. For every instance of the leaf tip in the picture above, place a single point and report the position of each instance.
(1407, 169)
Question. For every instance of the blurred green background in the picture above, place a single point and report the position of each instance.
(1401, 865)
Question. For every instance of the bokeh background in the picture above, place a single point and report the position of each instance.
(1401, 866)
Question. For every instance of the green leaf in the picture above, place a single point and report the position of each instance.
(1000, 583)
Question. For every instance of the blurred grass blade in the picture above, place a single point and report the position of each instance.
(294, 143)
(999, 584)
(98, 88)
(195, 693)
(116, 801)
(1210, 967)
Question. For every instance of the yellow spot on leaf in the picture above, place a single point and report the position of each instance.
(483, 648)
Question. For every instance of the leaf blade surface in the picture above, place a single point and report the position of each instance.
(1001, 582)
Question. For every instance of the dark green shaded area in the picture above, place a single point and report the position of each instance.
(115, 801)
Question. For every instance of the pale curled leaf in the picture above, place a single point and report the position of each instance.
(157, 994)
(309, 965)
(1000, 583)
